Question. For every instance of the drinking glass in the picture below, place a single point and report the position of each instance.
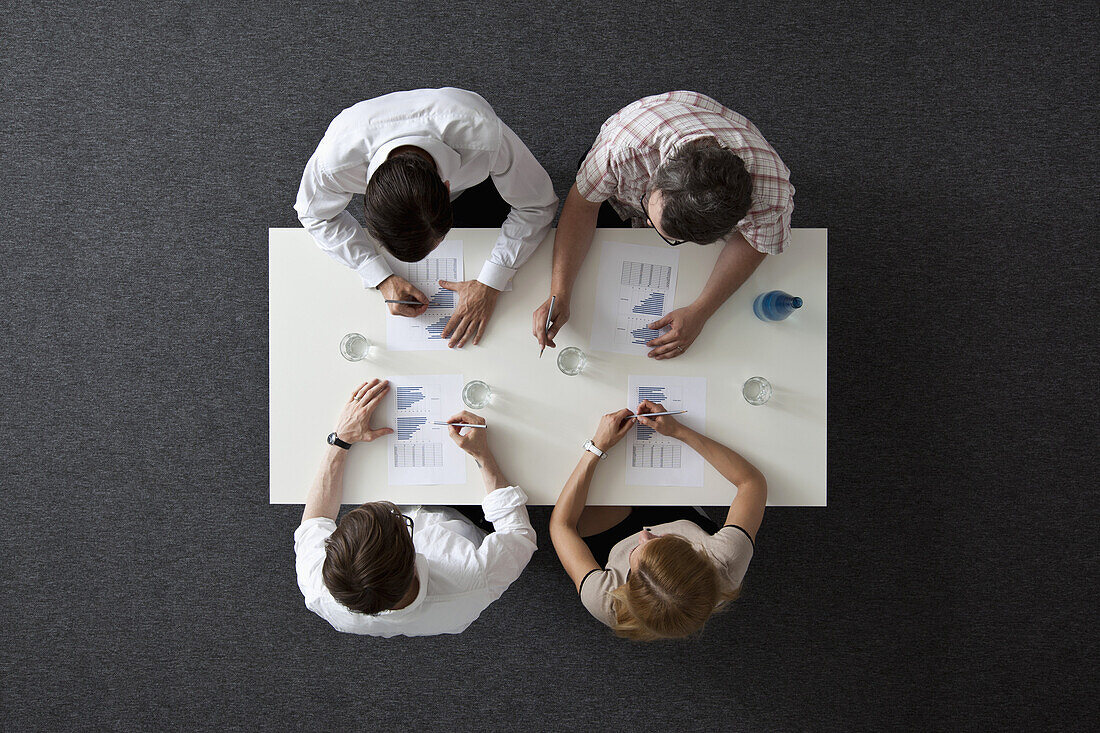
(477, 394)
(571, 361)
(756, 390)
(354, 347)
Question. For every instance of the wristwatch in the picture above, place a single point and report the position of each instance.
(333, 440)
(591, 448)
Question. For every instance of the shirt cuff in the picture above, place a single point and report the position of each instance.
(496, 276)
(374, 271)
(500, 502)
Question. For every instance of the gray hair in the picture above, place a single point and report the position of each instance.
(706, 191)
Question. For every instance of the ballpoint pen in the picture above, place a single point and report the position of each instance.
(657, 414)
(406, 302)
(549, 323)
(459, 424)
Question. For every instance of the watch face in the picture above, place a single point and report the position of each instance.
(332, 438)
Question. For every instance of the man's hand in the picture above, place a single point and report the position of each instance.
(398, 288)
(474, 441)
(665, 425)
(476, 302)
(560, 316)
(684, 326)
(353, 425)
(613, 427)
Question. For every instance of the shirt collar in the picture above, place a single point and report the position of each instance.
(446, 159)
(421, 594)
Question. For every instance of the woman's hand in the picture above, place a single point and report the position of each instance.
(665, 425)
(612, 428)
(353, 425)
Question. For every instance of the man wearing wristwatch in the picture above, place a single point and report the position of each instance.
(386, 570)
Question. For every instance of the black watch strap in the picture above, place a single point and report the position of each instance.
(333, 440)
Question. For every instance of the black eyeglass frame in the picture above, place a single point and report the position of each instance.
(645, 211)
(408, 521)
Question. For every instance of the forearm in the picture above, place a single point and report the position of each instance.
(736, 262)
(576, 228)
(574, 496)
(491, 474)
(327, 491)
(728, 462)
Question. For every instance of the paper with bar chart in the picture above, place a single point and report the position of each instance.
(419, 452)
(425, 332)
(636, 286)
(653, 459)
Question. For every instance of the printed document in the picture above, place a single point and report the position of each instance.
(653, 459)
(425, 332)
(636, 286)
(419, 452)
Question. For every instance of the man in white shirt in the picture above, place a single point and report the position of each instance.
(411, 154)
(386, 570)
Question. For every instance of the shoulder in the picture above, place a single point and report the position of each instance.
(462, 97)
(732, 549)
(312, 533)
(734, 537)
(595, 593)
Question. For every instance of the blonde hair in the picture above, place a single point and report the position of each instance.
(670, 595)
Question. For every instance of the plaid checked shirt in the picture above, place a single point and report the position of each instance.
(634, 141)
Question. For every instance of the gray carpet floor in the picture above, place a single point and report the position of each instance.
(146, 582)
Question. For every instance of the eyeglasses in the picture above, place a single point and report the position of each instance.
(408, 521)
(649, 221)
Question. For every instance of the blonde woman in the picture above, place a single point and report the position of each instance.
(656, 572)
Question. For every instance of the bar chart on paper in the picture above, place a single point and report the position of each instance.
(413, 408)
(426, 331)
(657, 460)
(642, 295)
(637, 285)
(420, 452)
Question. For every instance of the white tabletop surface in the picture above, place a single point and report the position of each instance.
(539, 418)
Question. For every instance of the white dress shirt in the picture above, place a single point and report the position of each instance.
(461, 569)
(468, 143)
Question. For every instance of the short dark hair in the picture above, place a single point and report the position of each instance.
(706, 190)
(407, 207)
(370, 561)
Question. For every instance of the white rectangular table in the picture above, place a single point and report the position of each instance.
(539, 417)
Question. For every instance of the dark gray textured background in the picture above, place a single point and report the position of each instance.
(951, 153)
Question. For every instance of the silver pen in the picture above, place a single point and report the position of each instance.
(549, 323)
(657, 414)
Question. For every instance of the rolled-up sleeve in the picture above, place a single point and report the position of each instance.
(522, 182)
(309, 558)
(505, 553)
(322, 203)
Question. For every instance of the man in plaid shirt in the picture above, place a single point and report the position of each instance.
(694, 171)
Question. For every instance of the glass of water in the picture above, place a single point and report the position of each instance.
(756, 390)
(354, 347)
(477, 394)
(571, 361)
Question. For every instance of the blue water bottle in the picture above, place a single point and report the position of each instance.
(775, 306)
